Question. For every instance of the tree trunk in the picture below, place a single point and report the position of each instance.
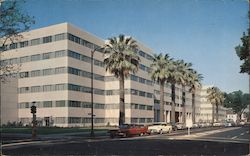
(249, 104)
(193, 107)
(183, 105)
(212, 114)
(122, 104)
(217, 113)
(173, 103)
(162, 119)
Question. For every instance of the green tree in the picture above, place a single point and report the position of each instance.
(162, 69)
(194, 80)
(183, 76)
(120, 59)
(237, 101)
(13, 22)
(216, 98)
(243, 52)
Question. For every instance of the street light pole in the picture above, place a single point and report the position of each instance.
(92, 92)
(92, 95)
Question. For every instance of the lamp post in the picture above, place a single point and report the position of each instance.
(92, 92)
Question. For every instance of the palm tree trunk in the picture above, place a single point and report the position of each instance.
(217, 113)
(212, 114)
(122, 104)
(162, 101)
(193, 107)
(183, 105)
(173, 103)
(249, 104)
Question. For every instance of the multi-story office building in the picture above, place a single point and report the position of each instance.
(55, 76)
(206, 108)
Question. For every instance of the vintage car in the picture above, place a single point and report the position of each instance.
(126, 130)
(159, 127)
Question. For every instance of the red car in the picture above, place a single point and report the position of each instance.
(129, 130)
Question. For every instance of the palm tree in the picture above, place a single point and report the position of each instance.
(194, 83)
(183, 72)
(120, 59)
(161, 71)
(215, 97)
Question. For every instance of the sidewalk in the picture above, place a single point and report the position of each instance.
(8, 138)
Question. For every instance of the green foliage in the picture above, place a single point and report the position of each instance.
(237, 101)
(215, 96)
(120, 56)
(13, 20)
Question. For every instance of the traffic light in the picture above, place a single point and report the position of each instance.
(33, 109)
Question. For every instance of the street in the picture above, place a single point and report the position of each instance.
(208, 141)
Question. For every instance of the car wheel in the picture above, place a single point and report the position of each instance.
(141, 134)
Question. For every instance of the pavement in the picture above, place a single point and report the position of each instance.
(208, 141)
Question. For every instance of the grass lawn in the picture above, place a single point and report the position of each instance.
(48, 130)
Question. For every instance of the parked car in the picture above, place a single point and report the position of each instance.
(180, 126)
(159, 127)
(217, 124)
(195, 126)
(174, 127)
(228, 124)
(126, 130)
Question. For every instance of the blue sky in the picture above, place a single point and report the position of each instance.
(203, 32)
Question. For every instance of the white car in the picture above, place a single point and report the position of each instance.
(159, 127)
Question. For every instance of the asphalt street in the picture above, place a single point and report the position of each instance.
(178, 143)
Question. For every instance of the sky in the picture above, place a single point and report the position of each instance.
(203, 32)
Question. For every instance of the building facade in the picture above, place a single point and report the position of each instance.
(55, 76)
(206, 108)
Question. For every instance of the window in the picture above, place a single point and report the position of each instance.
(141, 53)
(86, 59)
(99, 106)
(47, 39)
(149, 107)
(99, 120)
(24, 44)
(142, 107)
(13, 46)
(149, 95)
(74, 55)
(86, 89)
(74, 104)
(142, 67)
(24, 59)
(47, 88)
(35, 73)
(35, 57)
(86, 105)
(74, 71)
(142, 120)
(35, 89)
(35, 41)
(24, 74)
(24, 89)
(60, 70)
(86, 74)
(48, 55)
(98, 63)
(134, 120)
(109, 92)
(134, 92)
(98, 77)
(141, 80)
(99, 91)
(60, 87)
(60, 53)
(60, 103)
(14, 61)
(74, 120)
(47, 71)
(47, 104)
(59, 37)
(74, 87)
(134, 78)
(141, 93)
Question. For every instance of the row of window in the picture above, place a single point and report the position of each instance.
(52, 38)
(145, 55)
(59, 87)
(166, 103)
(50, 55)
(141, 106)
(59, 70)
(142, 120)
(61, 103)
(130, 91)
(141, 80)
